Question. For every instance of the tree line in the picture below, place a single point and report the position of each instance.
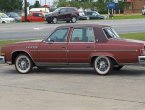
(99, 5)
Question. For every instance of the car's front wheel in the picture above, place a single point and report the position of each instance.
(102, 65)
(74, 19)
(23, 64)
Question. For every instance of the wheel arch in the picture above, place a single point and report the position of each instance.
(112, 58)
(16, 53)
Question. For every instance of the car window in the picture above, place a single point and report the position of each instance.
(63, 10)
(89, 13)
(59, 35)
(110, 33)
(4, 16)
(37, 15)
(83, 35)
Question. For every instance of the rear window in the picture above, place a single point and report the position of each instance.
(110, 33)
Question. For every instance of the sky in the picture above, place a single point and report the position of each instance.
(41, 1)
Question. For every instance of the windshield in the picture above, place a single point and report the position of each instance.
(4, 16)
(97, 13)
(57, 10)
(110, 33)
(14, 15)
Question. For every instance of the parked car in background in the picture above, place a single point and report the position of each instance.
(94, 15)
(5, 19)
(143, 11)
(82, 16)
(14, 15)
(34, 17)
(68, 14)
(81, 45)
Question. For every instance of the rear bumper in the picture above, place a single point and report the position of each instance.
(2, 59)
(141, 60)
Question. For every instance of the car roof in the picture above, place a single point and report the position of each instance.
(83, 25)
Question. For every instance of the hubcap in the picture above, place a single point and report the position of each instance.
(102, 65)
(73, 19)
(54, 20)
(23, 64)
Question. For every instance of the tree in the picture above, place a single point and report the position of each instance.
(36, 4)
(11, 5)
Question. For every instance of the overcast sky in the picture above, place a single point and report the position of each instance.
(41, 1)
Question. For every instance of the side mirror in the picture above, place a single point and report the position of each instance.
(50, 41)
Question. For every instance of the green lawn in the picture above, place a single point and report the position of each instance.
(129, 16)
(138, 36)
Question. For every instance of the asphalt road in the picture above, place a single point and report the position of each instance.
(72, 89)
(41, 30)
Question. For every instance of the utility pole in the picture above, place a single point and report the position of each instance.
(45, 6)
(25, 9)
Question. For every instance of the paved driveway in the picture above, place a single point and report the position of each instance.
(72, 89)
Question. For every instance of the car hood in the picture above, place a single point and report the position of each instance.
(30, 41)
(10, 19)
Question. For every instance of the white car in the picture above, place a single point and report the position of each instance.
(143, 11)
(5, 19)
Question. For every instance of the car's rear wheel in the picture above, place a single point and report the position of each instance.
(68, 21)
(3, 22)
(23, 64)
(73, 19)
(102, 65)
(48, 21)
(54, 20)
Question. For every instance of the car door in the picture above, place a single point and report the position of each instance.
(37, 17)
(53, 49)
(81, 45)
(62, 14)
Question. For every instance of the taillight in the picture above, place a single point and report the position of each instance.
(143, 52)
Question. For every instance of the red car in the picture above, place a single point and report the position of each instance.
(82, 45)
(34, 17)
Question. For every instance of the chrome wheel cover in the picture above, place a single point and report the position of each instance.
(74, 19)
(23, 64)
(54, 20)
(102, 65)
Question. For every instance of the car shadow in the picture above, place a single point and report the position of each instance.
(80, 71)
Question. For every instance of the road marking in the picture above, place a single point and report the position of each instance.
(36, 28)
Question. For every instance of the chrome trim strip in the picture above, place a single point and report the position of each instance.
(83, 50)
(2, 59)
(116, 50)
(141, 59)
(48, 50)
(55, 64)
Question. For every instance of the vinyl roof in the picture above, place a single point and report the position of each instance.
(83, 25)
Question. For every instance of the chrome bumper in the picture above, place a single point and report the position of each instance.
(2, 59)
(141, 60)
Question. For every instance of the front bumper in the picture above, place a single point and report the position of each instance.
(2, 59)
(141, 60)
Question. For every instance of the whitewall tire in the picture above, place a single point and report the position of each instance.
(23, 64)
(102, 65)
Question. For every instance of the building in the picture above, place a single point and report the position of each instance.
(134, 6)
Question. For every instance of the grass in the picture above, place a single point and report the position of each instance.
(137, 36)
(5, 42)
(128, 16)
